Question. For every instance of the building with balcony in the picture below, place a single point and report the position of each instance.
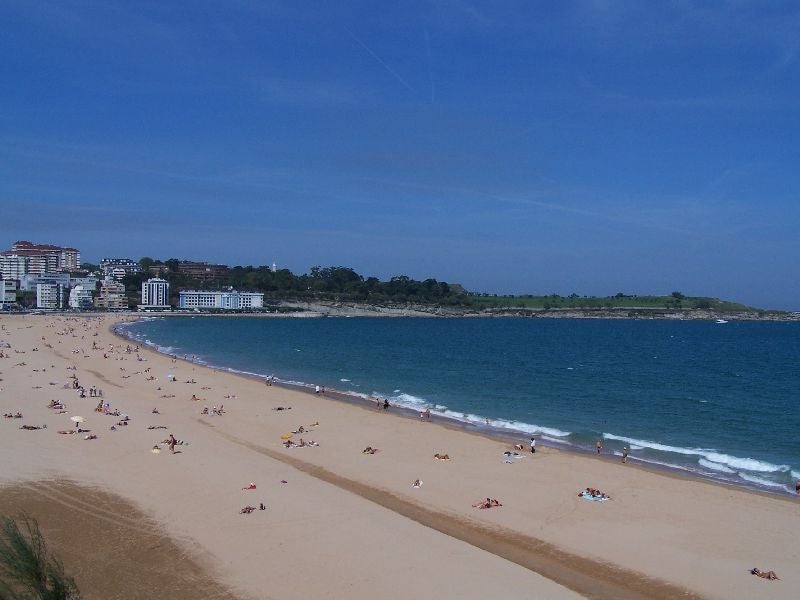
(119, 267)
(66, 259)
(111, 295)
(155, 294)
(80, 298)
(8, 293)
(51, 296)
(222, 299)
(203, 271)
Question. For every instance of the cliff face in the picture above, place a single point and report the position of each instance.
(348, 309)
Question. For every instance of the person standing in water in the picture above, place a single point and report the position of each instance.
(625, 454)
(533, 445)
(599, 446)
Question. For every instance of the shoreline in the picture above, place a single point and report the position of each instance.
(500, 434)
(343, 524)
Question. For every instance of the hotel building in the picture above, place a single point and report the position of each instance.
(155, 293)
(224, 299)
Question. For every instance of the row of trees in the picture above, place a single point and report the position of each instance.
(327, 283)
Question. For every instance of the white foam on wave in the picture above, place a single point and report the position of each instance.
(344, 380)
(795, 474)
(761, 481)
(528, 428)
(715, 466)
(733, 462)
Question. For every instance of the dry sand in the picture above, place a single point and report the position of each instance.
(345, 523)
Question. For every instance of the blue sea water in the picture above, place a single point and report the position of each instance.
(717, 400)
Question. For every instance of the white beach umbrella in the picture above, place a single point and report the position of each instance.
(77, 419)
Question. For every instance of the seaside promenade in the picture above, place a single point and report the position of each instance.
(133, 523)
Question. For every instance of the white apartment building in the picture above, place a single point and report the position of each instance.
(8, 293)
(51, 295)
(222, 299)
(155, 293)
(111, 296)
(80, 297)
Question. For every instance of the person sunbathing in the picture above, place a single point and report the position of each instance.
(369, 450)
(33, 427)
(205, 411)
(251, 486)
(247, 510)
(772, 575)
(417, 484)
(289, 444)
(483, 503)
(90, 437)
(438, 456)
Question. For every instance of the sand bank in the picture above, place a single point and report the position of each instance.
(349, 524)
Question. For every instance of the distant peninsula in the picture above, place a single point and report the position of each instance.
(341, 291)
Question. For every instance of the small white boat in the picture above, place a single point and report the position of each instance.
(720, 321)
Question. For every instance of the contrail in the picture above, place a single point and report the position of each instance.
(382, 63)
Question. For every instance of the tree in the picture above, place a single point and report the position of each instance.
(677, 295)
(27, 570)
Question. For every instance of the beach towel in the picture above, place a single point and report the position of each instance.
(587, 496)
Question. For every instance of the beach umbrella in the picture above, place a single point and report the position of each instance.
(77, 419)
(286, 436)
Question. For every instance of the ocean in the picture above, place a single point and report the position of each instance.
(715, 400)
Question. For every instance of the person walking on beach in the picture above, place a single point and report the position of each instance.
(171, 443)
(385, 404)
(625, 454)
(599, 446)
(533, 445)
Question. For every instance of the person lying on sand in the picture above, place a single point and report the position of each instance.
(289, 444)
(247, 510)
(156, 426)
(155, 411)
(66, 431)
(369, 450)
(33, 427)
(91, 436)
(438, 456)
(488, 503)
(251, 486)
(772, 575)
(282, 408)
(417, 484)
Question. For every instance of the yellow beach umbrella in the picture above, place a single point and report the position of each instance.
(286, 436)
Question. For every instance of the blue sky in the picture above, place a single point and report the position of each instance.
(592, 147)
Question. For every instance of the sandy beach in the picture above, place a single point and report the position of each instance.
(338, 522)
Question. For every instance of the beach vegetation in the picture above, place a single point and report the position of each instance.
(28, 571)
